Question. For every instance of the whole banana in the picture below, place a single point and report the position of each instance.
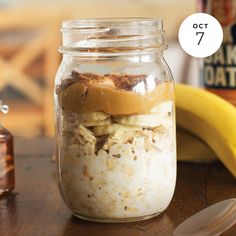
(211, 118)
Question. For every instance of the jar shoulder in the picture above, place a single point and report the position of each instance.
(152, 69)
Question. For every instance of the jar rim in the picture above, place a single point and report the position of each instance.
(115, 21)
(113, 36)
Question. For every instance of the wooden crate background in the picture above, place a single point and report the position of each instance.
(28, 63)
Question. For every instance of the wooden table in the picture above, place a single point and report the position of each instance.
(35, 207)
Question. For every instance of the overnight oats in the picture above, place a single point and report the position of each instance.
(116, 141)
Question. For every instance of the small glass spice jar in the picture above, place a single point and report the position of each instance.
(7, 175)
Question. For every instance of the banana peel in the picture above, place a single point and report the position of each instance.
(190, 148)
(210, 118)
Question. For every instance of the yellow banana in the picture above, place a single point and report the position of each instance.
(191, 148)
(211, 118)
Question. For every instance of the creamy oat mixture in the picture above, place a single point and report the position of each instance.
(116, 165)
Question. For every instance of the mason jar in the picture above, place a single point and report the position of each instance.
(115, 119)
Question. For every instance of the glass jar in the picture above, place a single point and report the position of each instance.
(7, 169)
(115, 120)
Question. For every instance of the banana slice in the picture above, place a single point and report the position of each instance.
(163, 107)
(112, 128)
(91, 123)
(94, 116)
(148, 120)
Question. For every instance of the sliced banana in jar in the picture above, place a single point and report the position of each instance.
(112, 128)
(91, 123)
(163, 107)
(94, 116)
(146, 121)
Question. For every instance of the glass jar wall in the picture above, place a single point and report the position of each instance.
(115, 120)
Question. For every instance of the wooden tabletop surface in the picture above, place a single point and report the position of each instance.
(35, 207)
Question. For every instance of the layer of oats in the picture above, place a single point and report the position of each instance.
(126, 173)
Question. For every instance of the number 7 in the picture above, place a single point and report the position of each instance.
(202, 33)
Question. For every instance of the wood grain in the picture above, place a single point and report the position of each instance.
(36, 208)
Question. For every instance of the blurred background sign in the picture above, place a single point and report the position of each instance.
(29, 40)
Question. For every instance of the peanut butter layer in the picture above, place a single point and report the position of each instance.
(106, 95)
